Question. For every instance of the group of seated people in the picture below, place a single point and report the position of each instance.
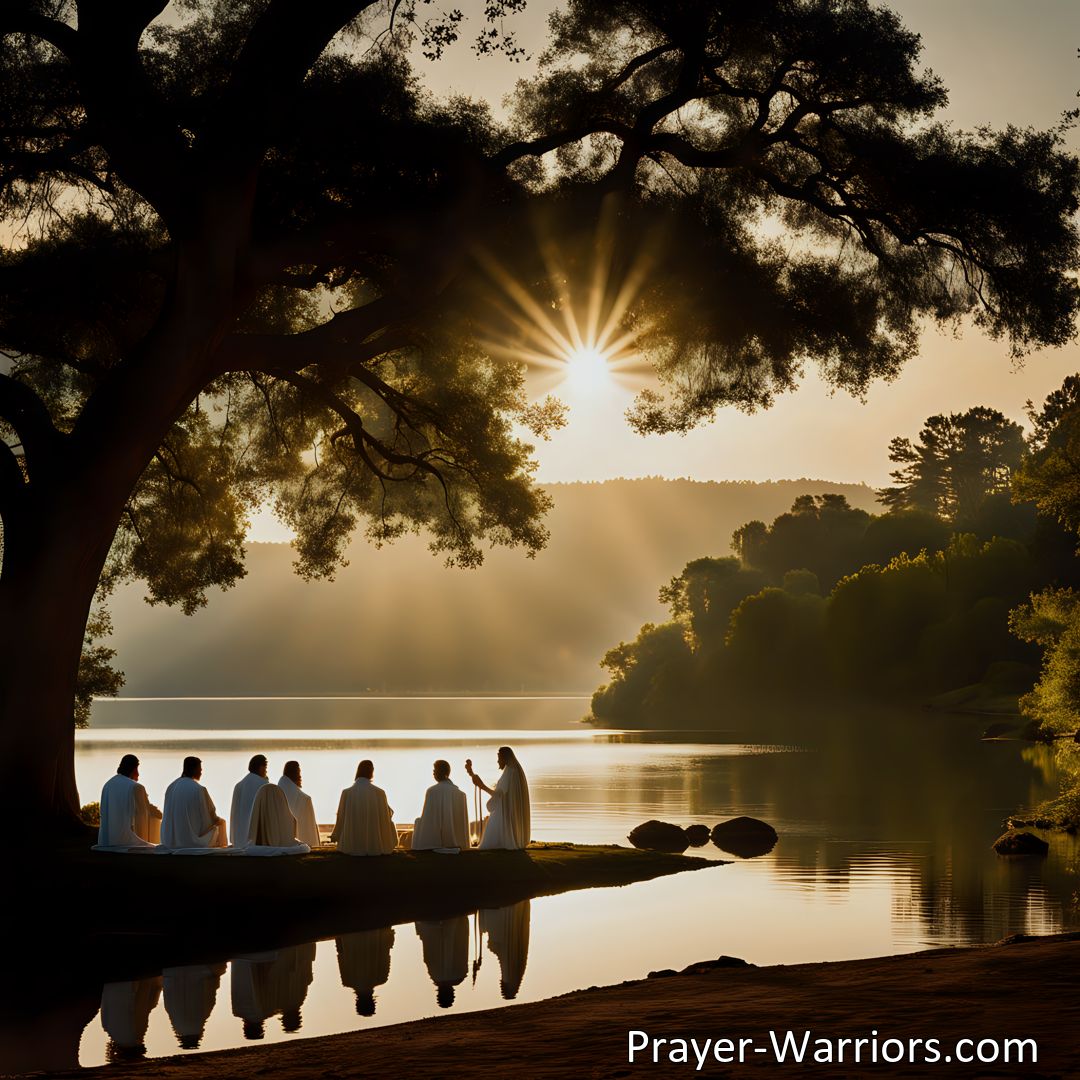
(279, 819)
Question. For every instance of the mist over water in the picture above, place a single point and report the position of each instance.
(885, 823)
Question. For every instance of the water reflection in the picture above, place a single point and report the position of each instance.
(290, 977)
(885, 827)
(364, 964)
(125, 1016)
(190, 993)
(507, 930)
(446, 955)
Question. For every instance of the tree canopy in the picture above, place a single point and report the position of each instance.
(958, 461)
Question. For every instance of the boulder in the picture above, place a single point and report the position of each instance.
(698, 835)
(746, 837)
(703, 967)
(659, 836)
(1020, 843)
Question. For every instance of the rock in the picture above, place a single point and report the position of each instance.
(996, 731)
(1020, 843)
(746, 837)
(703, 967)
(659, 836)
(698, 835)
(663, 973)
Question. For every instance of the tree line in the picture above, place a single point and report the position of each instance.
(963, 588)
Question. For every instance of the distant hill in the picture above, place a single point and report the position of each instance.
(397, 621)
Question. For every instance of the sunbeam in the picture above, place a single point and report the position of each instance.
(581, 343)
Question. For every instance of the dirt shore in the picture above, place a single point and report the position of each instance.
(1022, 989)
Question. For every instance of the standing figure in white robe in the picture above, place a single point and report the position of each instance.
(365, 823)
(444, 822)
(509, 827)
(243, 799)
(364, 964)
(445, 944)
(303, 809)
(126, 812)
(125, 1016)
(188, 817)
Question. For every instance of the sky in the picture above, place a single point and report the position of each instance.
(1004, 62)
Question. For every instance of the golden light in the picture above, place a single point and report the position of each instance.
(579, 342)
(587, 370)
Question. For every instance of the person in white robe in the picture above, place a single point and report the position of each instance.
(364, 964)
(365, 823)
(272, 829)
(445, 944)
(243, 799)
(126, 812)
(303, 809)
(507, 929)
(190, 993)
(443, 824)
(125, 1016)
(189, 819)
(509, 824)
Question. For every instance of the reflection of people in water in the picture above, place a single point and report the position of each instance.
(446, 954)
(189, 994)
(289, 977)
(364, 963)
(125, 1016)
(507, 929)
(252, 992)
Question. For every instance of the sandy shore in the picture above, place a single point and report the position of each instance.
(1020, 989)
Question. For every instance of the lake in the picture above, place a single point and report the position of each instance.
(885, 823)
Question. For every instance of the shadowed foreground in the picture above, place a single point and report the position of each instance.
(130, 915)
(1021, 989)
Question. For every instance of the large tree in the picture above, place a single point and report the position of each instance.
(248, 258)
(958, 461)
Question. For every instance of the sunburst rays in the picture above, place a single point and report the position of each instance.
(585, 342)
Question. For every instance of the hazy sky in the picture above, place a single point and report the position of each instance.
(1004, 61)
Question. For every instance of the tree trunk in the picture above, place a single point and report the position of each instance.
(45, 597)
(56, 546)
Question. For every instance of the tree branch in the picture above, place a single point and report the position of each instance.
(24, 411)
(284, 43)
(62, 37)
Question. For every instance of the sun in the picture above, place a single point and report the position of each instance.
(583, 340)
(587, 370)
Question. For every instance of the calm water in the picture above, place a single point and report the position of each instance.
(884, 848)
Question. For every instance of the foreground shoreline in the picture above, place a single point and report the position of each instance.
(1021, 988)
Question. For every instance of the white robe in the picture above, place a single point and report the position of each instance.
(509, 825)
(243, 799)
(444, 821)
(187, 817)
(303, 809)
(365, 824)
(125, 816)
(272, 829)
